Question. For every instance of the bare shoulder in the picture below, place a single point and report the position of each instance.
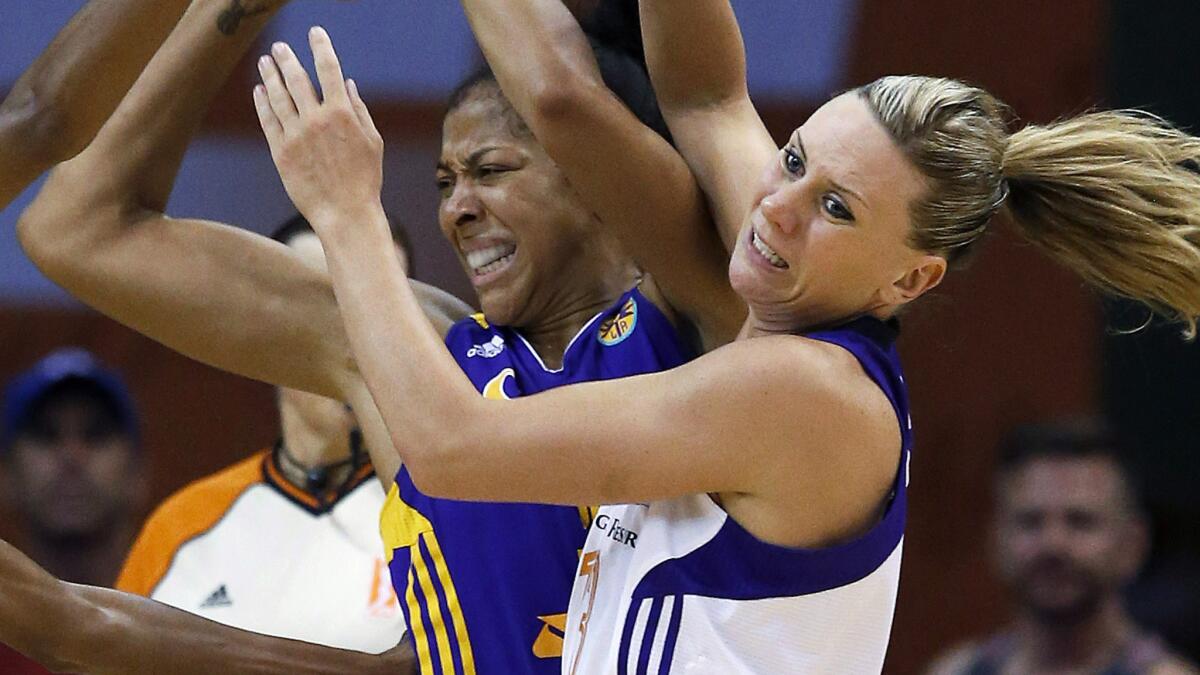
(822, 437)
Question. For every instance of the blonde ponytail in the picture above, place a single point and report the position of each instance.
(1113, 196)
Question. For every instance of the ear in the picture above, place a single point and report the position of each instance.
(926, 273)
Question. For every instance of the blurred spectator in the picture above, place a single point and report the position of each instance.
(72, 469)
(73, 466)
(285, 542)
(1069, 535)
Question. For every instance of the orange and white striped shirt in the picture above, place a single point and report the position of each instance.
(246, 548)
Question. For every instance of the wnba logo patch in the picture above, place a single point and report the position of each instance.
(619, 326)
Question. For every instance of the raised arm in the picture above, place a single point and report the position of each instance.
(216, 293)
(71, 628)
(698, 65)
(55, 108)
(626, 173)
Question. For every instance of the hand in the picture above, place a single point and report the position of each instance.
(328, 152)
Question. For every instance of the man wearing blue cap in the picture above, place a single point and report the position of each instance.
(72, 464)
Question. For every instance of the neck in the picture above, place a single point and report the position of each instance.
(762, 321)
(307, 447)
(1090, 643)
(555, 329)
(92, 560)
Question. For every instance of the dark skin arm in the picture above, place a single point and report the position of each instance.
(58, 104)
(71, 628)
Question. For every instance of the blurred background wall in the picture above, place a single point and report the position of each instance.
(1011, 340)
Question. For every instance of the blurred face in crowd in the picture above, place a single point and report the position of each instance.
(73, 471)
(1067, 535)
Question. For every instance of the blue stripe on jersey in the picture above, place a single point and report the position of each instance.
(502, 573)
(627, 637)
(656, 610)
(735, 565)
(668, 653)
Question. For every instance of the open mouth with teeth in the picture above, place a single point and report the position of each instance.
(767, 252)
(485, 262)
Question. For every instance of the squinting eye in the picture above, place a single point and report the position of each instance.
(444, 184)
(836, 209)
(792, 161)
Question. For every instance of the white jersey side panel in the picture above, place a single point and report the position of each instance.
(272, 567)
(766, 620)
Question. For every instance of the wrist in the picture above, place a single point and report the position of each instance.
(343, 225)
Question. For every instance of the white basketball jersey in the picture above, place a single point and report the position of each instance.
(677, 586)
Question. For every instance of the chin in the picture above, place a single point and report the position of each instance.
(748, 284)
(499, 308)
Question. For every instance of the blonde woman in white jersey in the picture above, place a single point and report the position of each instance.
(763, 483)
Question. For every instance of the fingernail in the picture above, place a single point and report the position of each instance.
(278, 47)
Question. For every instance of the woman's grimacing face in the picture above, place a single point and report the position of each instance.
(828, 235)
(507, 209)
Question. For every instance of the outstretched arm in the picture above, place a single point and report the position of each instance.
(55, 108)
(71, 628)
(626, 173)
(698, 65)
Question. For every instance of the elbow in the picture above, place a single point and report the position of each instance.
(433, 471)
(560, 99)
(40, 123)
(442, 463)
(63, 221)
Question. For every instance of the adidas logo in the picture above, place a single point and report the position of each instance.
(218, 598)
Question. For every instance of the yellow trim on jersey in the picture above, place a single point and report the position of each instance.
(402, 526)
(434, 608)
(586, 515)
(460, 621)
(479, 319)
(416, 624)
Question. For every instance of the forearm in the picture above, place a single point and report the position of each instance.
(72, 88)
(416, 385)
(71, 628)
(144, 142)
(55, 108)
(138, 635)
(694, 52)
(34, 609)
(553, 64)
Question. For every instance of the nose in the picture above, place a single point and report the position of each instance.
(463, 206)
(73, 453)
(782, 207)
